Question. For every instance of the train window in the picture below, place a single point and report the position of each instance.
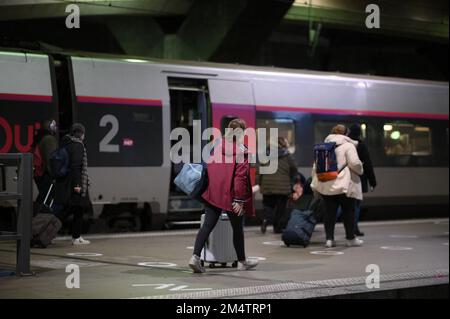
(323, 128)
(407, 139)
(286, 129)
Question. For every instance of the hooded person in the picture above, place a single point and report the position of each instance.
(342, 191)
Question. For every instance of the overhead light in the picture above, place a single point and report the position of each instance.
(421, 129)
(363, 127)
(361, 85)
(135, 60)
(387, 127)
(395, 135)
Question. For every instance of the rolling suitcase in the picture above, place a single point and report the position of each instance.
(301, 224)
(219, 248)
(45, 225)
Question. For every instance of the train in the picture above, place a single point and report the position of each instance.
(130, 105)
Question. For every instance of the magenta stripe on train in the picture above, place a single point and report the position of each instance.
(116, 100)
(25, 97)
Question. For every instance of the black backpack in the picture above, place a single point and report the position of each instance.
(59, 162)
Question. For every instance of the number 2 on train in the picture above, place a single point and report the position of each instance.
(105, 144)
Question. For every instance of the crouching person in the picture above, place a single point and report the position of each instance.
(71, 191)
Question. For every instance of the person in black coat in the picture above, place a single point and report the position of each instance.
(368, 178)
(71, 191)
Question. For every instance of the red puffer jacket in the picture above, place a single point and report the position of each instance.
(228, 180)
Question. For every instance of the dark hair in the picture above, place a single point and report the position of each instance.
(355, 132)
(77, 130)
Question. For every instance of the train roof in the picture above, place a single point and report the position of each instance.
(267, 70)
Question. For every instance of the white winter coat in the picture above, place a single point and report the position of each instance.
(348, 182)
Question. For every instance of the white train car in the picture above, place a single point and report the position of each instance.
(130, 106)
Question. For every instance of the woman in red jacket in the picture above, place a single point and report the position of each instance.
(229, 189)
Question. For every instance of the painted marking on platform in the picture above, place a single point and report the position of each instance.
(404, 236)
(190, 247)
(257, 258)
(157, 264)
(327, 252)
(84, 254)
(62, 263)
(157, 286)
(175, 287)
(397, 248)
(274, 243)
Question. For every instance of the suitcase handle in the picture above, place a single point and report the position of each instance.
(48, 195)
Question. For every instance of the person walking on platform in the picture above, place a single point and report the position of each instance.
(368, 178)
(229, 189)
(71, 191)
(276, 189)
(44, 144)
(344, 190)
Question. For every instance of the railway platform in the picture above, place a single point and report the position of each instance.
(409, 254)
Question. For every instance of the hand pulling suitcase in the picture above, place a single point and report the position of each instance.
(301, 225)
(219, 248)
(45, 226)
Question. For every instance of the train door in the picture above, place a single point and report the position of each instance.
(189, 103)
(27, 97)
(232, 99)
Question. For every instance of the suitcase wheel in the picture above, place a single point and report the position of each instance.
(288, 245)
(212, 265)
(202, 263)
(234, 264)
(223, 265)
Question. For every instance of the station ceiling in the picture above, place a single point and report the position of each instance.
(217, 30)
(414, 17)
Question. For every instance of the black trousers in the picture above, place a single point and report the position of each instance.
(331, 207)
(77, 223)
(275, 211)
(212, 215)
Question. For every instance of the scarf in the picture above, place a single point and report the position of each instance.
(84, 171)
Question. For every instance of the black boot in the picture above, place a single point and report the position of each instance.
(264, 226)
(359, 233)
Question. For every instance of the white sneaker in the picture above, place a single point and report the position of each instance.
(196, 265)
(80, 241)
(248, 264)
(355, 242)
(330, 244)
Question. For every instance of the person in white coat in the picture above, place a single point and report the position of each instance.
(342, 191)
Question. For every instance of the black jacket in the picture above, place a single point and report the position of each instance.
(64, 190)
(368, 178)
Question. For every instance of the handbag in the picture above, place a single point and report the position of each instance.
(193, 177)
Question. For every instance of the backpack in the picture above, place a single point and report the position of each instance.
(326, 162)
(38, 162)
(59, 162)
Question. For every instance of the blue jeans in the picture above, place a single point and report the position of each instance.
(357, 213)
